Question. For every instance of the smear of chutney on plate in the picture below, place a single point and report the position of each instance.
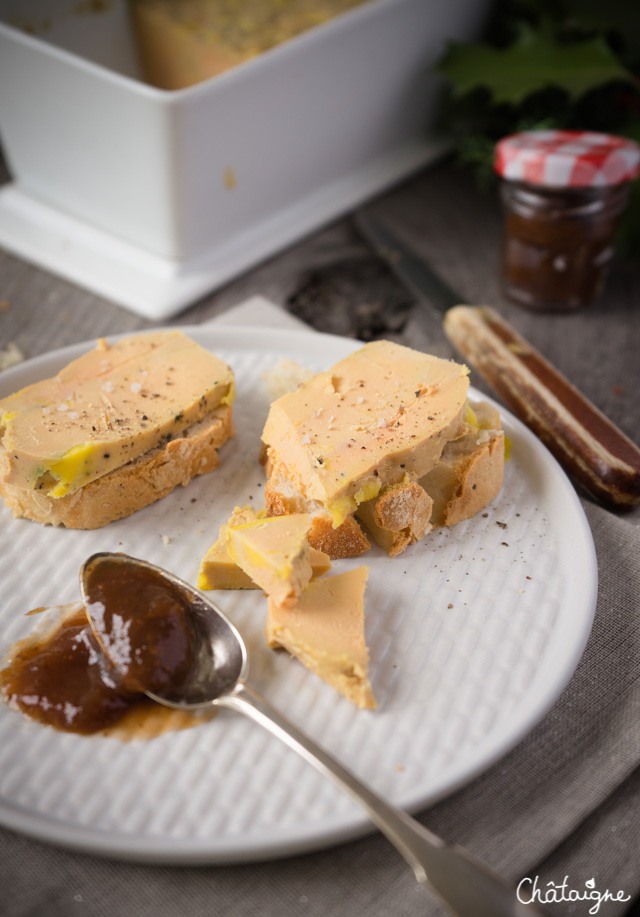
(64, 679)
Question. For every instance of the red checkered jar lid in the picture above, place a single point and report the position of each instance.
(567, 159)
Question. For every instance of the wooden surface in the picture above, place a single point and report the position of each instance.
(333, 281)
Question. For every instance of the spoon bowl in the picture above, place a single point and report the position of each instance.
(165, 639)
(218, 658)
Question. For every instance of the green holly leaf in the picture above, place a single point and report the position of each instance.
(617, 16)
(535, 61)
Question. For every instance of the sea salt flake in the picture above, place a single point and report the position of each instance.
(71, 712)
(92, 656)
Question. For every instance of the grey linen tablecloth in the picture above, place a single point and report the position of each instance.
(563, 804)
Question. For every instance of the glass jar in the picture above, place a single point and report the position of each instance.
(557, 243)
(562, 200)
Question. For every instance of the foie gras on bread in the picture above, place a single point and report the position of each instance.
(378, 418)
(325, 631)
(466, 478)
(115, 430)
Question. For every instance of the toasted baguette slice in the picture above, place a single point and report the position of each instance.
(399, 517)
(325, 631)
(467, 478)
(132, 486)
(346, 540)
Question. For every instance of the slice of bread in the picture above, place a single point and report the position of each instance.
(134, 485)
(114, 403)
(467, 478)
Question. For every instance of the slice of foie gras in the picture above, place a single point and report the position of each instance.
(107, 408)
(325, 631)
(274, 553)
(219, 571)
(379, 417)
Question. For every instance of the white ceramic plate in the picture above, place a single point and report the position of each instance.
(473, 633)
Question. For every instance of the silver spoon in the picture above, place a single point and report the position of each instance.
(217, 678)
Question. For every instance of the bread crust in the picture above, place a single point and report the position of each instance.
(398, 517)
(467, 478)
(347, 540)
(133, 486)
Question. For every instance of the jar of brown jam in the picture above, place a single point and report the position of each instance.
(562, 195)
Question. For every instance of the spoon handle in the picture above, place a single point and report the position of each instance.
(468, 888)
